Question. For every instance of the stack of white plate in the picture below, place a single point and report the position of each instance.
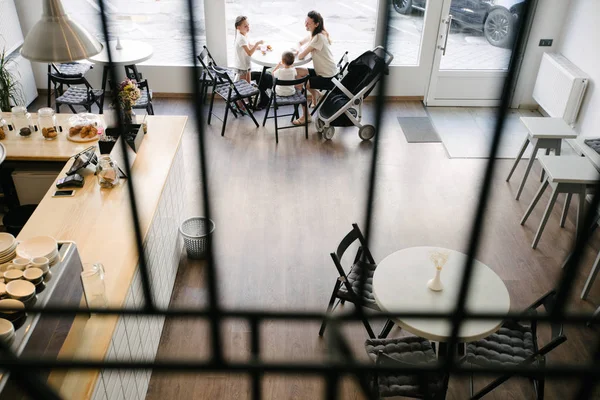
(39, 246)
(8, 247)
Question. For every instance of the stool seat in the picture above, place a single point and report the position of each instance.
(569, 169)
(548, 128)
(570, 175)
(543, 133)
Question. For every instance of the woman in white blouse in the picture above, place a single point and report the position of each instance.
(318, 45)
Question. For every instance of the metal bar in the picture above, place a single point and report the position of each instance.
(478, 221)
(145, 273)
(211, 270)
(255, 349)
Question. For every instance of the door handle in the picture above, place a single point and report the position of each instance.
(448, 22)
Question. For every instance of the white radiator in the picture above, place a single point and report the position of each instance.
(559, 87)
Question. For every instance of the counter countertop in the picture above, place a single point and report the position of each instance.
(99, 221)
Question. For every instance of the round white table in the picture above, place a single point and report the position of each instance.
(132, 52)
(400, 285)
(271, 58)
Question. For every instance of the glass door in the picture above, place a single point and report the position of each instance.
(473, 51)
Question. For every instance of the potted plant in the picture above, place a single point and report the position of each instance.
(10, 88)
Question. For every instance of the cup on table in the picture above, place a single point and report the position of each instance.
(13, 274)
(6, 329)
(34, 275)
(19, 263)
(40, 262)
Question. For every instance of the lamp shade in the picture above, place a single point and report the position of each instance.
(57, 38)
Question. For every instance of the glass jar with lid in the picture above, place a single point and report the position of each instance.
(94, 289)
(22, 121)
(47, 123)
(107, 171)
(3, 128)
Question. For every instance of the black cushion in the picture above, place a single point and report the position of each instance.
(296, 98)
(244, 89)
(408, 350)
(78, 95)
(353, 279)
(507, 347)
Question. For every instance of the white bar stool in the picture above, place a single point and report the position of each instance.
(569, 174)
(544, 133)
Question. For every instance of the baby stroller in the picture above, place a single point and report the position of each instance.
(343, 105)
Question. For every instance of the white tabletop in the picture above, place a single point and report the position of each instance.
(569, 169)
(271, 58)
(548, 128)
(400, 285)
(133, 52)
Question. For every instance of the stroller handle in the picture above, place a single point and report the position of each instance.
(387, 56)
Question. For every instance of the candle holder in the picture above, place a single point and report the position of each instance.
(439, 259)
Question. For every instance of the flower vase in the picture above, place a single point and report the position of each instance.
(128, 116)
(435, 284)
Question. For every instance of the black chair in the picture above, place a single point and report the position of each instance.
(516, 344)
(342, 65)
(145, 100)
(132, 72)
(405, 352)
(66, 70)
(348, 291)
(231, 93)
(207, 78)
(78, 93)
(297, 99)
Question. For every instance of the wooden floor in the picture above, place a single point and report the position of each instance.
(281, 209)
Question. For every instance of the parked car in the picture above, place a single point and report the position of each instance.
(497, 19)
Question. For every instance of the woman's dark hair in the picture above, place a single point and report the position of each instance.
(317, 19)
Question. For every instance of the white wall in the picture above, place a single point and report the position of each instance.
(579, 43)
(547, 24)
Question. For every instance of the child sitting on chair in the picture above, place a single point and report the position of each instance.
(285, 72)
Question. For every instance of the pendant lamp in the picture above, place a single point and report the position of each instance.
(57, 38)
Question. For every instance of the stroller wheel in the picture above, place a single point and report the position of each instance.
(319, 124)
(366, 132)
(328, 132)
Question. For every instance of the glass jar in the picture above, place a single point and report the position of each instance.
(47, 123)
(107, 172)
(22, 122)
(92, 278)
(3, 128)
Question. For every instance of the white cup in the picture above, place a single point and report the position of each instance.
(42, 263)
(13, 274)
(34, 275)
(19, 263)
(6, 329)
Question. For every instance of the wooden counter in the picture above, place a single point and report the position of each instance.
(36, 148)
(99, 221)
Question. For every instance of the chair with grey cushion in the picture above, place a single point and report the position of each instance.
(297, 99)
(516, 344)
(231, 93)
(346, 286)
(406, 352)
(145, 100)
(66, 70)
(76, 92)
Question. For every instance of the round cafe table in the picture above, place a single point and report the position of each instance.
(400, 285)
(132, 52)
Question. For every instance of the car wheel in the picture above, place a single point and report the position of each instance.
(499, 28)
(403, 6)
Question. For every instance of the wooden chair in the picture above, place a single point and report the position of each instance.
(346, 286)
(231, 93)
(297, 99)
(78, 93)
(516, 344)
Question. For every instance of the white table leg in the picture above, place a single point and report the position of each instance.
(581, 211)
(563, 217)
(523, 147)
(536, 198)
(529, 165)
(546, 216)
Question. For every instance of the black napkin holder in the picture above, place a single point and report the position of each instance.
(133, 137)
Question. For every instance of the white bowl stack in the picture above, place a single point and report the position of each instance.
(39, 246)
(8, 247)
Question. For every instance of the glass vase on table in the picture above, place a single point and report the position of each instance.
(94, 289)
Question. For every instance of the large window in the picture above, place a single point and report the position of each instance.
(351, 24)
(406, 31)
(160, 23)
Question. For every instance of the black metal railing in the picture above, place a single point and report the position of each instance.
(340, 361)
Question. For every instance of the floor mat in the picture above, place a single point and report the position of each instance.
(418, 130)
